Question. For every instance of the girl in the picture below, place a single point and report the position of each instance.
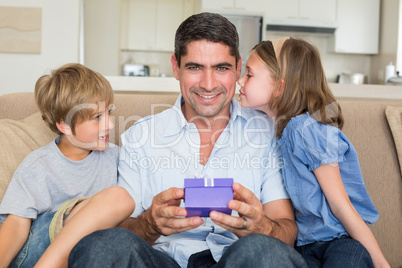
(285, 79)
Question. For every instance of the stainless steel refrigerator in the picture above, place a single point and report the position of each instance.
(250, 33)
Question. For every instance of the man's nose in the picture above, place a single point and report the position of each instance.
(208, 80)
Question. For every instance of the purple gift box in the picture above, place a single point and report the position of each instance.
(201, 196)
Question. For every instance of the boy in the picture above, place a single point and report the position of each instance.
(48, 190)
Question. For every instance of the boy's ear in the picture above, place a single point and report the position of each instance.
(64, 128)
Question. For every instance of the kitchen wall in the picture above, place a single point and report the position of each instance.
(373, 66)
(59, 45)
(333, 63)
(389, 32)
(102, 36)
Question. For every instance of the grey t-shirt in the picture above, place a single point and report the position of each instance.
(46, 179)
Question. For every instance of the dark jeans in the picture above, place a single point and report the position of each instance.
(121, 248)
(342, 252)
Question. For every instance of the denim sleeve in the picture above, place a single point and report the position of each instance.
(316, 144)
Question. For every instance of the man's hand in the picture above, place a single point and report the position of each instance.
(167, 217)
(249, 208)
(275, 218)
(164, 217)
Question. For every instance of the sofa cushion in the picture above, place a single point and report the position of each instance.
(394, 117)
(17, 139)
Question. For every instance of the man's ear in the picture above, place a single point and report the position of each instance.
(64, 128)
(175, 66)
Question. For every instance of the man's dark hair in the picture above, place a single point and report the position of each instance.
(206, 26)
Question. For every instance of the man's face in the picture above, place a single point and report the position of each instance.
(207, 78)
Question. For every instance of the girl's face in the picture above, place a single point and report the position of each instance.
(257, 85)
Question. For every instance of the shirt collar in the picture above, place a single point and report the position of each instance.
(176, 121)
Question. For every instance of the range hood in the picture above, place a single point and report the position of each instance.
(301, 25)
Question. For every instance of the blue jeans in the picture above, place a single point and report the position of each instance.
(340, 252)
(121, 248)
(37, 242)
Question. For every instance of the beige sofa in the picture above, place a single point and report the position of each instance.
(366, 126)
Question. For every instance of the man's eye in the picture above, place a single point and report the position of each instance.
(193, 68)
(222, 68)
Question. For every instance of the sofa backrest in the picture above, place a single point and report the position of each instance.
(367, 128)
(365, 125)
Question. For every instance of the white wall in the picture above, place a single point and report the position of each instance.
(388, 39)
(102, 36)
(60, 45)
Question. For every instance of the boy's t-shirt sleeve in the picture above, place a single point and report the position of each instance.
(317, 144)
(19, 198)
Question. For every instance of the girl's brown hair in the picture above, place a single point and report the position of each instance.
(304, 88)
(71, 93)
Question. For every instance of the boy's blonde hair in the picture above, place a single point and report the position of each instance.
(69, 93)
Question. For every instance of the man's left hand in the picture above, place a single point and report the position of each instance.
(252, 216)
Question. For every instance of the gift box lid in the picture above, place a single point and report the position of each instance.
(206, 182)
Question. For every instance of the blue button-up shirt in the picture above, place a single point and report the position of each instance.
(159, 151)
(307, 144)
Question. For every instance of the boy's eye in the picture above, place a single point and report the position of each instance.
(97, 117)
(112, 108)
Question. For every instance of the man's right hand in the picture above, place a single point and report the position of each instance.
(164, 217)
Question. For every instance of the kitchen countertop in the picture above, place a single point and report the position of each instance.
(130, 84)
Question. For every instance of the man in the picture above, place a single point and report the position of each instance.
(206, 133)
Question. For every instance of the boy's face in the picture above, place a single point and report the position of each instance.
(93, 134)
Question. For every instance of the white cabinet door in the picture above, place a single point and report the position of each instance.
(169, 15)
(322, 10)
(217, 5)
(141, 24)
(234, 6)
(151, 25)
(250, 6)
(282, 9)
(358, 30)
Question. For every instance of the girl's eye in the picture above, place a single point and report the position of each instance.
(249, 75)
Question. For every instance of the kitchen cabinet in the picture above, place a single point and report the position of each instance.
(358, 27)
(151, 25)
(316, 10)
(234, 6)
